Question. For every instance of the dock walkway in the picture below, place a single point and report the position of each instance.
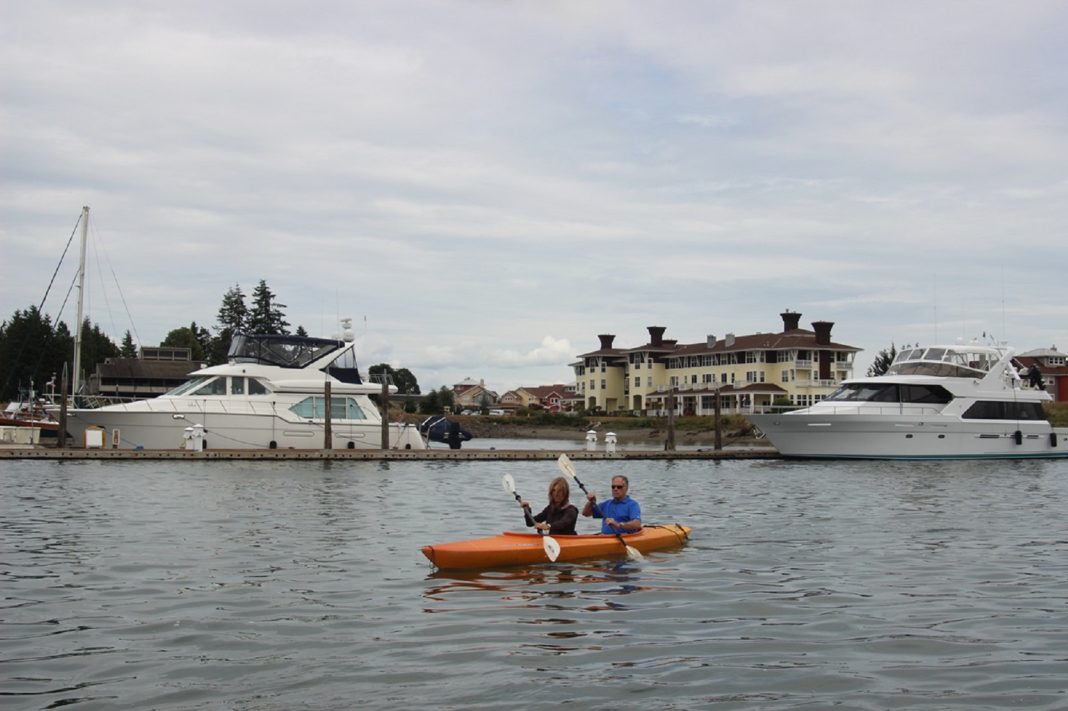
(387, 455)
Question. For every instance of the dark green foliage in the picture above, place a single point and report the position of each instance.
(401, 377)
(266, 314)
(882, 361)
(196, 339)
(128, 349)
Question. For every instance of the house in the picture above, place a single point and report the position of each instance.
(153, 372)
(1054, 367)
(746, 372)
(470, 395)
(554, 398)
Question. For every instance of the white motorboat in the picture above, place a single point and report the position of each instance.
(938, 402)
(271, 394)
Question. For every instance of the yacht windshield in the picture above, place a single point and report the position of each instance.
(944, 362)
(283, 351)
(187, 386)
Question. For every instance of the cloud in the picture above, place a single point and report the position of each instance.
(473, 176)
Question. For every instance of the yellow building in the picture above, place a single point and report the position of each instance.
(747, 372)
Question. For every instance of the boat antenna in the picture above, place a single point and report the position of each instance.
(1004, 329)
(935, 307)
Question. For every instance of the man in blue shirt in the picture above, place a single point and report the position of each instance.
(620, 514)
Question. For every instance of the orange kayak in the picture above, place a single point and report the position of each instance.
(512, 548)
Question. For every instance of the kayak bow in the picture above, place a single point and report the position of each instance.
(511, 548)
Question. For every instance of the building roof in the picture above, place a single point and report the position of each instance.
(131, 368)
(790, 337)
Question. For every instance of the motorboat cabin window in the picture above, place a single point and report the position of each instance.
(237, 386)
(891, 392)
(214, 386)
(255, 387)
(341, 408)
(1001, 410)
(187, 386)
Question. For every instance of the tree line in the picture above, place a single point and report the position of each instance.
(34, 350)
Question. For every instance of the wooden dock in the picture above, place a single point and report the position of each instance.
(388, 455)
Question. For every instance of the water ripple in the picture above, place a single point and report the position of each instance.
(280, 585)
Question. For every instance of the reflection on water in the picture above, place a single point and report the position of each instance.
(280, 585)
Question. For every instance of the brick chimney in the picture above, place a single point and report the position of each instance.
(606, 341)
(656, 335)
(790, 319)
(823, 332)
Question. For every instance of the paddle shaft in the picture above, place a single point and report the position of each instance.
(526, 510)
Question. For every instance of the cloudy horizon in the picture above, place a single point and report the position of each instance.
(485, 187)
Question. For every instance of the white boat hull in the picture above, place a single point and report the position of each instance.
(859, 436)
(130, 427)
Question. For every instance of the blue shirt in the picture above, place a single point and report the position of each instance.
(621, 511)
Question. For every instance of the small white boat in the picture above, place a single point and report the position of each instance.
(938, 402)
(269, 395)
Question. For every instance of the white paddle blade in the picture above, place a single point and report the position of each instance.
(634, 554)
(508, 483)
(565, 465)
(552, 548)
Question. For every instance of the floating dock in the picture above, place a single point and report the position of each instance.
(387, 455)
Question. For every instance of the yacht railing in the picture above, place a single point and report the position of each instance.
(857, 409)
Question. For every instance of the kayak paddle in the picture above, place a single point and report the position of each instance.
(569, 471)
(550, 544)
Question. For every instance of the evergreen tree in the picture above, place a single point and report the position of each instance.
(301, 332)
(266, 315)
(882, 361)
(128, 349)
(232, 317)
(31, 352)
(233, 313)
(96, 348)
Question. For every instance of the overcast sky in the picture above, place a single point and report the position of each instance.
(486, 186)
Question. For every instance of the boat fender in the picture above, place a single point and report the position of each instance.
(272, 445)
(350, 445)
(1018, 436)
(1053, 439)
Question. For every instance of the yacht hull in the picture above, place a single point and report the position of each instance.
(167, 429)
(859, 436)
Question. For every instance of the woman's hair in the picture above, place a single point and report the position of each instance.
(562, 483)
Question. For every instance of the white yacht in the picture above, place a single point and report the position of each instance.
(939, 402)
(269, 395)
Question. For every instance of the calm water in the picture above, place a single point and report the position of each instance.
(251, 585)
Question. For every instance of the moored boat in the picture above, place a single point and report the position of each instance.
(514, 548)
(937, 402)
(271, 394)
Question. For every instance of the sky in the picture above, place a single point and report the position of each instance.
(484, 187)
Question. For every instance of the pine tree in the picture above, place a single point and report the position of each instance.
(882, 361)
(128, 349)
(266, 314)
(233, 313)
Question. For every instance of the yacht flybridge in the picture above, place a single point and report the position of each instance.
(938, 402)
(271, 394)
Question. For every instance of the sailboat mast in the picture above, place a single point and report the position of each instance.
(76, 379)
